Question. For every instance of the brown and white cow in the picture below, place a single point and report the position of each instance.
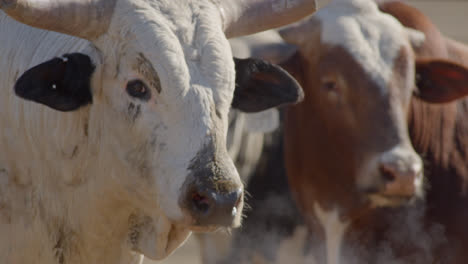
(381, 105)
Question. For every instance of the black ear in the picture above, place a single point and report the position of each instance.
(440, 81)
(261, 85)
(61, 83)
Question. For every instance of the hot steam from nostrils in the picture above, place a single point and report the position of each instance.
(267, 242)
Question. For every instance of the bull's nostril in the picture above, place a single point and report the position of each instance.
(239, 200)
(208, 206)
(201, 203)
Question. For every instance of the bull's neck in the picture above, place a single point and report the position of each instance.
(101, 232)
(96, 215)
(84, 219)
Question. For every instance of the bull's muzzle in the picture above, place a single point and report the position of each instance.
(213, 192)
(209, 207)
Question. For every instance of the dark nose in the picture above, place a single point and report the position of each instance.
(402, 175)
(209, 207)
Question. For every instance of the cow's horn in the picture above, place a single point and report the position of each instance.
(244, 17)
(82, 18)
(299, 33)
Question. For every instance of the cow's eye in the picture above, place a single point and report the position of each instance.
(330, 86)
(138, 89)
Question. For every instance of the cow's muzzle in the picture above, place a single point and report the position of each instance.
(399, 178)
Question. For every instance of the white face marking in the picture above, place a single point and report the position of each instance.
(334, 230)
(373, 38)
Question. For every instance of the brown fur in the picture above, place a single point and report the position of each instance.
(324, 148)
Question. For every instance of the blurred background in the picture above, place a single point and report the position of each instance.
(451, 16)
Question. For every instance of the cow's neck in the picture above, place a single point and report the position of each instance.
(438, 135)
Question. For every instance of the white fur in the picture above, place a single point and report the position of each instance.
(334, 230)
(373, 38)
(280, 5)
(58, 184)
(399, 154)
(262, 122)
(416, 37)
(267, 45)
(291, 250)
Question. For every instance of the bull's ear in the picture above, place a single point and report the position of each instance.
(61, 83)
(440, 81)
(261, 85)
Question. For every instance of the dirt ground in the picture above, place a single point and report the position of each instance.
(451, 17)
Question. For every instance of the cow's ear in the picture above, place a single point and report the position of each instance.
(440, 81)
(61, 83)
(261, 85)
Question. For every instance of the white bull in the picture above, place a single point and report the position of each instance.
(112, 132)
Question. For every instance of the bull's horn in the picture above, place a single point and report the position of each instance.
(82, 18)
(244, 17)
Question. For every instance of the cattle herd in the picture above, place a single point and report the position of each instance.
(334, 136)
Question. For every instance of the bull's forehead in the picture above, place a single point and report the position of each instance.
(184, 41)
(373, 38)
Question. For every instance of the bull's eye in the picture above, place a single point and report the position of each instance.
(137, 89)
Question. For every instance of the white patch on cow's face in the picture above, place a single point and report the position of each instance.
(373, 38)
(334, 230)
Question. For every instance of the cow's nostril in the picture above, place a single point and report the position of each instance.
(387, 173)
(201, 203)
